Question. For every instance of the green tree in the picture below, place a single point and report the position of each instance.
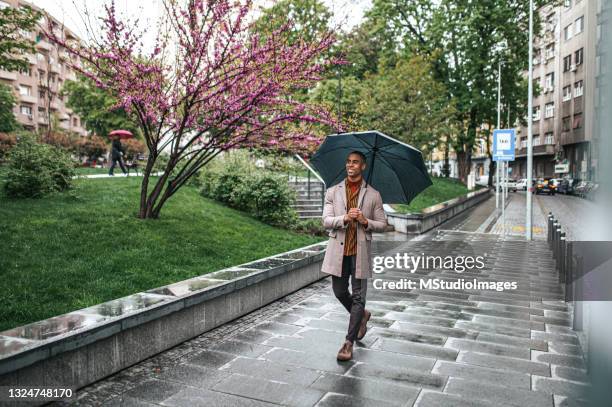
(13, 45)
(311, 19)
(97, 108)
(7, 102)
(408, 103)
(466, 40)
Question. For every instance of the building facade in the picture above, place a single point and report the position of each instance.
(563, 110)
(40, 103)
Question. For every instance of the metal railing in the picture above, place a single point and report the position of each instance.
(311, 170)
(569, 266)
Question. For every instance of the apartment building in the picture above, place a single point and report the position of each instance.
(563, 111)
(37, 89)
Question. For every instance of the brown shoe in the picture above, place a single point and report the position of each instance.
(346, 352)
(363, 327)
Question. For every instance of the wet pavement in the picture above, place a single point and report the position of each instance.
(424, 347)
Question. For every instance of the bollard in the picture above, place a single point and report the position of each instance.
(577, 295)
(561, 261)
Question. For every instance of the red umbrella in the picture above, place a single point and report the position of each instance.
(122, 134)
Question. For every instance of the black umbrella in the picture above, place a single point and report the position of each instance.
(394, 168)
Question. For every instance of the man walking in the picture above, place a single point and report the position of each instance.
(117, 156)
(352, 211)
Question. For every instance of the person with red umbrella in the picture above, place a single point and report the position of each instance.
(117, 149)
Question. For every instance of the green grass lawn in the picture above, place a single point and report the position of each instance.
(77, 249)
(443, 189)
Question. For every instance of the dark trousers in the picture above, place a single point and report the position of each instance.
(353, 302)
(114, 164)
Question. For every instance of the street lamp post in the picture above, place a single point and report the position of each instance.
(529, 201)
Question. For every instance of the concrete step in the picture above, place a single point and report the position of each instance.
(308, 208)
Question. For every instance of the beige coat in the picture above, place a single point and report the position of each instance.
(371, 205)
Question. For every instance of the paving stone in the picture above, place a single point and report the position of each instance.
(565, 349)
(253, 336)
(343, 400)
(561, 387)
(240, 348)
(406, 336)
(435, 399)
(277, 328)
(192, 375)
(554, 337)
(498, 329)
(127, 402)
(552, 321)
(479, 373)
(561, 360)
(273, 392)
(485, 347)
(267, 370)
(497, 394)
(154, 391)
(570, 373)
(327, 363)
(502, 362)
(424, 320)
(398, 375)
(374, 389)
(382, 358)
(515, 323)
(433, 330)
(191, 397)
(208, 358)
(418, 349)
(561, 401)
(513, 341)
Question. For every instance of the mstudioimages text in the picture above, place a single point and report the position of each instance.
(438, 284)
(412, 263)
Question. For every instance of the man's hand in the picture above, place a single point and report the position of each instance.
(354, 213)
(362, 219)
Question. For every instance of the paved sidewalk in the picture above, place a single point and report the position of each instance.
(424, 347)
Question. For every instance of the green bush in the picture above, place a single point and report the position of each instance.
(264, 195)
(310, 226)
(35, 169)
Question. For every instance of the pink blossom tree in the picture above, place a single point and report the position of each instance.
(211, 84)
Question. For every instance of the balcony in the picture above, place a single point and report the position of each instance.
(42, 120)
(542, 149)
(32, 59)
(28, 99)
(11, 76)
(55, 68)
(44, 45)
(55, 106)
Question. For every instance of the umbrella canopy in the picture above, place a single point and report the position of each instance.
(122, 134)
(394, 168)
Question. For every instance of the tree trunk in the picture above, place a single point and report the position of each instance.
(446, 167)
(463, 165)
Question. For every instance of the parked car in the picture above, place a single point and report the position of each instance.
(522, 184)
(567, 186)
(511, 185)
(545, 185)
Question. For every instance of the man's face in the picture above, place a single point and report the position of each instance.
(354, 165)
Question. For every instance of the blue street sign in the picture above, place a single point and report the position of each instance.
(503, 145)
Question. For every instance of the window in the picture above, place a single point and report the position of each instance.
(537, 53)
(4, 5)
(548, 138)
(74, 122)
(577, 120)
(536, 140)
(578, 89)
(536, 113)
(551, 22)
(41, 93)
(25, 90)
(567, 32)
(549, 110)
(523, 142)
(579, 25)
(567, 63)
(26, 72)
(550, 51)
(550, 81)
(579, 58)
(567, 93)
(40, 57)
(568, 3)
(27, 110)
(566, 123)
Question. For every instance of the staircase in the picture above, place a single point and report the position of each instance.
(309, 200)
